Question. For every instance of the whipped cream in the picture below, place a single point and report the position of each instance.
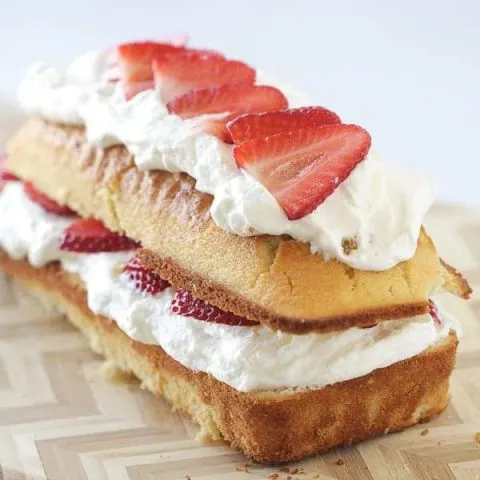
(57, 95)
(379, 206)
(246, 358)
(34, 234)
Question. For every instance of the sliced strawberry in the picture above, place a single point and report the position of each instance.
(5, 175)
(434, 313)
(176, 75)
(47, 203)
(202, 52)
(232, 100)
(8, 176)
(88, 235)
(261, 125)
(302, 168)
(215, 126)
(185, 304)
(145, 280)
(135, 60)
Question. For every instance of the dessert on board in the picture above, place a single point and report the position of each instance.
(247, 255)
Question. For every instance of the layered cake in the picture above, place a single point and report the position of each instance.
(247, 256)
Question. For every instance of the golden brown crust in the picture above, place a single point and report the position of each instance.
(271, 427)
(272, 280)
(455, 282)
(216, 294)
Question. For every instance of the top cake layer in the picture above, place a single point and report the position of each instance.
(273, 280)
(378, 209)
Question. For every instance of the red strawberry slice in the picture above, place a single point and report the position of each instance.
(5, 175)
(145, 280)
(8, 176)
(302, 168)
(261, 125)
(232, 100)
(88, 235)
(176, 75)
(185, 304)
(47, 203)
(135, 60)
(434, 313)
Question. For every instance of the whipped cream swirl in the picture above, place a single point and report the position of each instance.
(246, 358)
(380, 207)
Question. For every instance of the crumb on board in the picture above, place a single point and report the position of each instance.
(340, 462)
(244, 467)
(289, 471)
(476, 437)
(424, 432)
(188, 477)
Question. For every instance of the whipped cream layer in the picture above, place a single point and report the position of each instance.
(379, 206)
(246, 358)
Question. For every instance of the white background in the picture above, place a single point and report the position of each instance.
(407, 70)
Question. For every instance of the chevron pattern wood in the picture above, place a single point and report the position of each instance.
(60, 419)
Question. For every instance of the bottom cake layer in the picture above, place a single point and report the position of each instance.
(268, 426)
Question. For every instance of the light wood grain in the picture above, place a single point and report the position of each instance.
(60, 419)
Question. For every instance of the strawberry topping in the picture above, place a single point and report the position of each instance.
(434, 313)
(302, 168)
(88, 235)
(261, 125)
(176, 75)
(185, 304)
(5, 175)
(145, 280)
(47, 203)
(8, 176)
(232, 100)
(135, 60)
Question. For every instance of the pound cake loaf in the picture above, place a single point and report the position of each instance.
(247, 256)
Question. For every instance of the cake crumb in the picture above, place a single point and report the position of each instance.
(424, 432)
(285, 470)
(476, 437)
(188, 477)
(244, 467)
(349, 245)
(273, 476)
(340, 462)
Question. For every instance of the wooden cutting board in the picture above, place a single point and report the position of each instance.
(60, 418)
